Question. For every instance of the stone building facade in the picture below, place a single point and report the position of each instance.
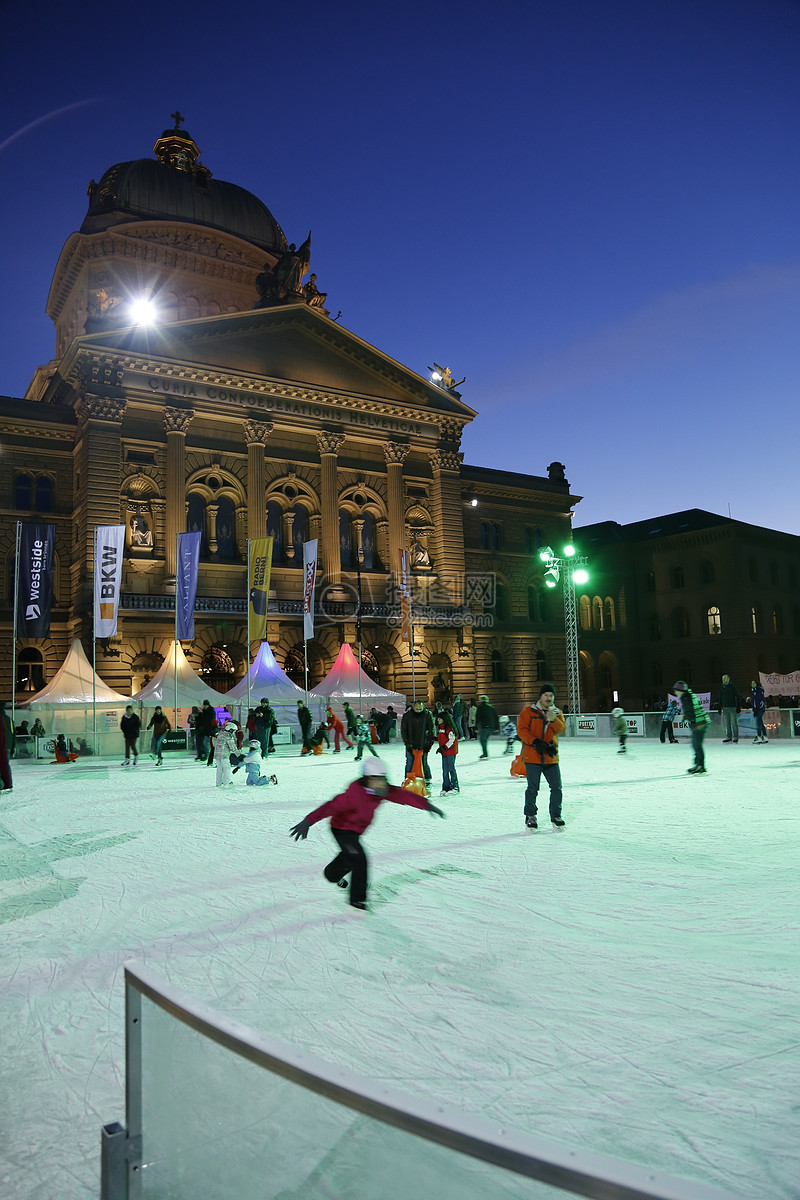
(244, 410)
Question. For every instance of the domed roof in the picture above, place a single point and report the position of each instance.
(176, 186)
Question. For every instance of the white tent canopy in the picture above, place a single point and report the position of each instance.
(266, 680)
(342, 683)
(75, 685)
(191, 689)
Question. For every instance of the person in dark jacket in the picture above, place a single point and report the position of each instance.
(416, 730)
(266, 724)
(730, 705)
(204, 723)
(130, 726)
(698, 719)
(305, 719)
(349, 720)
(670, 713)
(351, 814)
(759, 708)
(5, 769)
(159, 723)
(487, 723)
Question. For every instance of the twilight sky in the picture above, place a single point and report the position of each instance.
(590, 208)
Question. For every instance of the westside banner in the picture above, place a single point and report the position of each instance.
(780, 685)
(186, 584)
(109, 546)
(260, 569)
(309, 580)
(35, 579)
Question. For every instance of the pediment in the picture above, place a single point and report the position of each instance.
(291, 344)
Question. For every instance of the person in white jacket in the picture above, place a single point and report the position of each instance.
(252, 765)
(224, 746)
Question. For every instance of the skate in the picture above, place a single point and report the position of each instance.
(124, 762)
(557, 823)
(531, 823)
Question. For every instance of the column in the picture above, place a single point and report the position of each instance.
(448, 521)
(329, 446)
(176, 422)
(97, 463)
(256, 434)
(211, 527)
(395, 454)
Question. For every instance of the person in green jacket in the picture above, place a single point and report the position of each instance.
(698, 719)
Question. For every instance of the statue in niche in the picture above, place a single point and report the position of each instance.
(101, 304)
(141, 533)
(420, 558)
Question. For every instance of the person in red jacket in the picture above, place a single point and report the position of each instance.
(338, 730)
(448, 748)
(351, 814)
(538, 727)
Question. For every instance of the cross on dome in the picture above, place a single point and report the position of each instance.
(177, 118)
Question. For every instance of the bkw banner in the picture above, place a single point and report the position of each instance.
(109, 546)
(35, 579)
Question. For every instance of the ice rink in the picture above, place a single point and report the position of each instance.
(628, 986)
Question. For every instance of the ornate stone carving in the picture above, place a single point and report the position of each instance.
(101, 408)
(107, 373)
(446, 460)
(329, 443)
(450, 431)
(177, 420)
(395, 452)
(257, 432)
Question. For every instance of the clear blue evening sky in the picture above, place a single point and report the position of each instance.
(588, 207)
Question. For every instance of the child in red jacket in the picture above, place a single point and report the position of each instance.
(448, 748)
(351, 814)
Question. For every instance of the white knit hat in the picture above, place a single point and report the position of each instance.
(374, 766)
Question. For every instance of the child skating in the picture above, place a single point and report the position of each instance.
(351, 814)
(448, 748)
(620, 728)
(509, 732)
(252, 766)
(363, 738)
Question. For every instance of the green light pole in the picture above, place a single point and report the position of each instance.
(571, 569)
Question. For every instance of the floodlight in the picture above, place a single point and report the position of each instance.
(546, 553)
(474, 503)
(580, 576)
(436, 377)
(569, 551)
(551, 576)
(143, 311)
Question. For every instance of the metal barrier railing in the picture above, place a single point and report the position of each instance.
(216, 1110)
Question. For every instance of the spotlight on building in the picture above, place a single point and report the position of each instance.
(552, 575)
(143, 311)
(474, 503)
(569, 551)
(436, 377)
(580, 576)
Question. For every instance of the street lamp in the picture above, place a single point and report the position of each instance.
(571, 567)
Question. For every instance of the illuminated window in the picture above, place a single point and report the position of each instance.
(608, 612)
(754, 618)
(714, 620)
(586, 612)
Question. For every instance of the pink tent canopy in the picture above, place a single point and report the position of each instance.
(342, 683)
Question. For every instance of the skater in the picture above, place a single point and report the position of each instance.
(486, 723)
(191, 724)
(224, 748)
(417, 732)
(759, 708)
(63, 752)
(350, 720)
(252, 765)
(5, 768)
(351, 814)
(337, 726)
(538, 727)
(670, 713)
(698, 719)
(730, 705)
(472, 716)
(620, 729)
(203, 725)
(448, 748)
(130, 726)
(320, 737)
(364, 738)
(159, 723)
(304, 719)
(509, 732)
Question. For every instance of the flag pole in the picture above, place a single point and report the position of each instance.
(358, 625)
(94, 641)
(175, 647)
(18, 538)
(247, 601)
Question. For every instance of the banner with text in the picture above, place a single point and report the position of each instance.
(109, 546)
(405, 598)
(260, 570)
(186, 584)
(309, 580)
(780, 685)
(35, 579)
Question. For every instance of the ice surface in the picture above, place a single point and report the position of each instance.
(628, 986)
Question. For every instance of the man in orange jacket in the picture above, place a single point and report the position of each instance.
(538, 727)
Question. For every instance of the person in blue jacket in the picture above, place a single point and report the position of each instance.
(759, 708)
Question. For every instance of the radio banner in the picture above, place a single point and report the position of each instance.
(109, 546)
(405, 599)
(309, 580)
(186, 584)
(35, 579)
(260, 570)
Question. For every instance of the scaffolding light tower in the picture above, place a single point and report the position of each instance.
(567, 568)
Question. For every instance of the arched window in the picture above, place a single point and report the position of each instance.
(30, 670)
(777, 619)
(275, 529)
(586, 612)
(346, 542)
(542, 668)
(755, 618)
(44, 494)
(196, 518)
(369, 665)
(678, 580)
(226, 530)
(655, 627)
(369, 556)
(650, 581)
(23, 493)
(714, 620)
(609, 614)
(217, 670)
(295, 666)
(597, 614)
(498, 672)
(501, 601)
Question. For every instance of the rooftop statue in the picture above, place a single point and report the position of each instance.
(284, 278)
(443, 378)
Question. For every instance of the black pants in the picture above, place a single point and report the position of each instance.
(130, 745)
(666, 728)
(361, 746)
(351, 860)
